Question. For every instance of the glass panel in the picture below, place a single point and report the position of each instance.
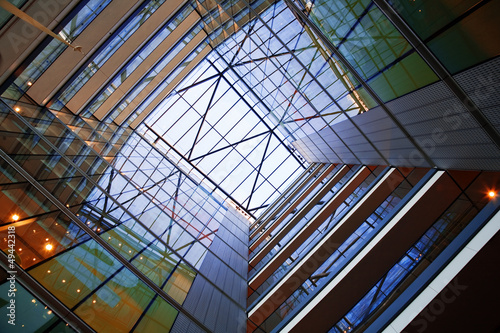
(120, 301)
(454, 30)
(466, 44)
(427, 17)
(29, 313)
(159, 317)
(369, 41)
(76, 273)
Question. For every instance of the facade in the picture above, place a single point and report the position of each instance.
(250, 166)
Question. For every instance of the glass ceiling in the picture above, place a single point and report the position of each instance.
(237, 113)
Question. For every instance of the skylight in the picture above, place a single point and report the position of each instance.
(237, 113)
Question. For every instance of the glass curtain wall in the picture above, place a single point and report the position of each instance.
(129, 203)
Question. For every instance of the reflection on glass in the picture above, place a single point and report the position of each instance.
(31, 315)
(72, 275)
(120, 301)
(159, 317)
(373, 46)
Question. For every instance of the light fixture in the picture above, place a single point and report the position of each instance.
(30, 84)
(48, 247)
(15, 217)
(78, 290)
(48, 271)
(63, 281)
(17, 109)
(492, 194)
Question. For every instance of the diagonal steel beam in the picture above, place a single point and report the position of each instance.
(229, 146)
(258, 171)
(192, 166)
(203, 118)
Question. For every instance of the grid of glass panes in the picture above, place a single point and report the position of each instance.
(303, 87)
(373, 46)
(64, 268)
(137, 60)
(216, 128)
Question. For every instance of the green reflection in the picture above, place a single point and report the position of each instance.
(73, 274)
(373, 46)
(159, 317)
(397, 80)
(117, 305)
(461, 33)
(426, 17)
(474, 39)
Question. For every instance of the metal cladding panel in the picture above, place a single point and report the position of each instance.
(493, 115)
(183, 324)
(436, 120)
(387, 137)
(221, 291)
(308, 148)
(482, 83)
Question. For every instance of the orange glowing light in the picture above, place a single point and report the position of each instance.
(48, 247)
(15, 217)
(492, 194)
